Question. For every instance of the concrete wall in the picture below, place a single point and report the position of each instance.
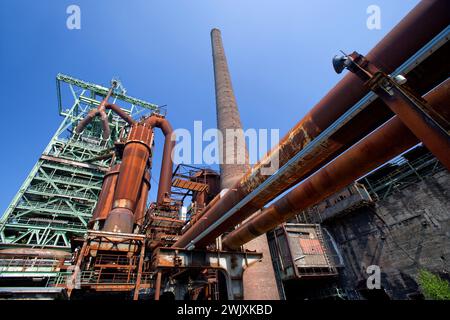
(406, 231)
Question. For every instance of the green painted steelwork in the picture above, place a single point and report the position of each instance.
(57, 199)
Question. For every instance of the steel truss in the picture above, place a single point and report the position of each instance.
(56, 200)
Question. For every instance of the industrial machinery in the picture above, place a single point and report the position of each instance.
(84, 213)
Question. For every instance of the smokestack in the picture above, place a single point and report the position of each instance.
(259, 280)
(232, 150)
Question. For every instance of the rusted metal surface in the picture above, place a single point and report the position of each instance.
(31, 252)
(234, 161)
(231, 264)
(333, 105)
(106, 197)
(201, 213)
(438, 100)
(134, 163)
(100, 111)
(110, 262)
(139, 272)
(380, 146)
(74, 163)
(374, 150)
(158, 285)
(300, 252)
(141, 207)
(190, 185)
(420, 123)
(410, 108)
(125, 116)
(208, 197)
(165, 179)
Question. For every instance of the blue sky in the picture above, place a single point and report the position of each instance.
(279, 54)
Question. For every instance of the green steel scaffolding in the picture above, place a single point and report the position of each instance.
(56, 200)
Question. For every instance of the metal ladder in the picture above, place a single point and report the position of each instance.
(325, 247)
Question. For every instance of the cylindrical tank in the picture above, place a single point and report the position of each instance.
(106, 197)
(134, 163)
(141, 207)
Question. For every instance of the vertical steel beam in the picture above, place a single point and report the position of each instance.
(158, 285)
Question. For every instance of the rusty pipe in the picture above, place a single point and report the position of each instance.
(105, 124)
(334, 145)
(380, 146)
(201, 213)
(165, 179)
(125, 116)
(88, 119)
(135, 161)
(93, 113)
(84, 122)
(106, 197)
(100, 111)
(141, 206)
(377, 148)
(393, 50)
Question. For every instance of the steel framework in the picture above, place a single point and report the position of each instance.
(401, 173)
(58, 196)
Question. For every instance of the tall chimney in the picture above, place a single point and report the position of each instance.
(234, 160)
(259, 280)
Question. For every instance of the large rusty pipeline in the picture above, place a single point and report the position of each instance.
(106, 197)
(390, 53)
(374, 150)
(165, 179)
